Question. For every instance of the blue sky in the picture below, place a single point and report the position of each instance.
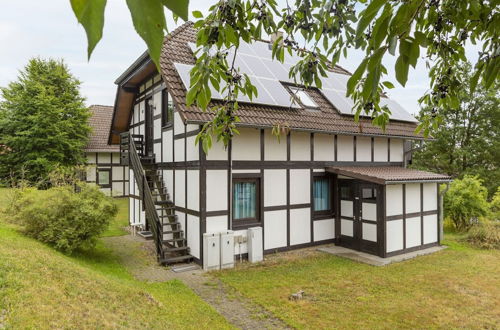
(30, 28)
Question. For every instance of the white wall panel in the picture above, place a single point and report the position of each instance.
(103, 157)
(179, 150)
(137, 211)
(324, 147)
(180, 197)
(346, 208)
(300, 226)
(274, 149)
(193, 235)
(142, 106)
(430, 229)
(363, 149)
(91, 173)
(369, 211)
(246, 145)
(131, 214)
(345, 148)
(131, 182)
(168, 177)
(168, 155)
(369, 231)
(217, 152)
(193, 192)
(157, 103)
(397, 150)
(216, 224)
(193, 151)
(117, 173)
(412, 197)
(216, 190)
(300, 189)
(115, 158)
(274, 187)
(430, 196)
(394, 235)
(246, 171)
(380, 150)
(157, 128)
(300, 146)
(117, 189)
(157, 151)
(324, 229)
(394, 199)
(413, 235)
(346, 227)
(275, 229)
(178, 123)
(91, 157)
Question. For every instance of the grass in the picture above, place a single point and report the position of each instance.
(457, 287)
(42, 288)
(118, 224)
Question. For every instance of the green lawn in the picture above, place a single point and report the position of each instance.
(455, 288)
(42, 288)
(118, 224)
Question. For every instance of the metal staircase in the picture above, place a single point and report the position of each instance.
(170, 243)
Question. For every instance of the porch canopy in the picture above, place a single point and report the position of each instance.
(387, 174)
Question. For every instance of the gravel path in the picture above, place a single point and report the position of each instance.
(138, 257)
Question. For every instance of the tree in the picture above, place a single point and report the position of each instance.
(468, 141)
(320, 32)
(43, 122)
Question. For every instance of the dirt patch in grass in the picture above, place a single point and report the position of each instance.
(457, 287)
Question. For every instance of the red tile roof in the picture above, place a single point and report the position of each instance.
(387, 174)
(328, 119)
(100, 121)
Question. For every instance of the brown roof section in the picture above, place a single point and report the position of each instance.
(327, 119)
(100, 121)
(387, 174)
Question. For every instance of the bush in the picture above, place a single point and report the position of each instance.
(495, 206)
(485, 235)
(465, 202)
(61, 217)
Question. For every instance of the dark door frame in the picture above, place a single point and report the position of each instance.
(149, 127)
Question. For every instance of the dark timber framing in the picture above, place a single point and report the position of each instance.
(99, 165)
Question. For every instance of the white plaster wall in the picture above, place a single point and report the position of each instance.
(157, 151)
(324, 147)
(131, 183)
(345, 148)
(412, 197)
(117, 188)
(300, 226)
(178, 123)
(157, 128)
(157, 103)
(217, 152)
(91, 157)
(394, 235)
(168, 155)
(179, 150)
(104, 157)
(180, 197)
(192, 127)
(246, 145)
(300, 189)
(193, 185)
(168, 177)
(193, 235)
(142, 107)
(346, 227)
(324, 229)
(91, 173)
(346, 208)
(300, 146)
(394, 199)
(369, 211)
(430, 229)
(274, 149)
(430, 196)
(216, 224)
(137, 212)
(193, 151)
(397, 150)
(369, 232)
(246, 171)
(274, 187)
(115, 158)
(363, 149)
(380, 150)
(413, 234)
(131, 211)
(216, 190)
(275, 229)
(117, 173)
(137, 110)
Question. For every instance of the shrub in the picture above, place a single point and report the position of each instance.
(485, 235)
(63, 218)
(465, 202)
(495, 206)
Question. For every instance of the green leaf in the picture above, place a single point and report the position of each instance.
(393, 42)
(388, 84)
(178, 7)
(402, 65)
(90, 14)
(149, 22)
(197, 14)
(351, 83)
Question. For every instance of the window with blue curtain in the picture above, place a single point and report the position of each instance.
(321, 194)
(245, 199)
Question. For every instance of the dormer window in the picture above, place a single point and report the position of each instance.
(304, 98)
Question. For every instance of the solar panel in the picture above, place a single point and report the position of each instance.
(338, 100)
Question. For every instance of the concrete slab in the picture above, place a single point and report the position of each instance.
(375, 260)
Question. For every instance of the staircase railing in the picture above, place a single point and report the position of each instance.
(129, 142)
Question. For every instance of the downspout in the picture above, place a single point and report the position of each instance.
(441, 210)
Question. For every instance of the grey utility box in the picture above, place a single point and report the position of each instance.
(227, 249)
(211, 251)
(254, 244)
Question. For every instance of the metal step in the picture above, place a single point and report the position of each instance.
(165, 203)
(171, 223)
(176, 249)
(171, 260)
(174, 231)
(173, 240)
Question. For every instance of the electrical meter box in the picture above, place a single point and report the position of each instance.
(211, 251)
(227, 249)
(255, 245)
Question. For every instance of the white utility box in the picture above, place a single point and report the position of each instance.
(255, 246)
(227, 249)
(211, 251)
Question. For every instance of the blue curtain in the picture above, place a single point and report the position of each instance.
(244, 202)
(321, 193)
